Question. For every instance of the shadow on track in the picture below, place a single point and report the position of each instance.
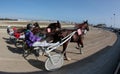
(18, 50)
(37, 63)
(102, 62)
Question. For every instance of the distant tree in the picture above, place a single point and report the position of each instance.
(8, 19)
(100, 25)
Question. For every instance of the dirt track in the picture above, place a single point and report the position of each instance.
(11, 59)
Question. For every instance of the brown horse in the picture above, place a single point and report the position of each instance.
(83, 27)
(77, 37)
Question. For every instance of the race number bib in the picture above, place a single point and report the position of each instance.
(79, 31)
(48, 30)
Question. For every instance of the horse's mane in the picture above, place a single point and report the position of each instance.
(79, 25)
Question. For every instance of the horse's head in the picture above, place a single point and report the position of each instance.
(36, 25)
(58, 25)
(86, 26)
(52, 27)
(83, 26)
(36, 28)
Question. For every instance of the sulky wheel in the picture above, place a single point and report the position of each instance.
(54, 62)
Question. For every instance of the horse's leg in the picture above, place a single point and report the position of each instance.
(64, 50)
(80, 42)
(78, 45)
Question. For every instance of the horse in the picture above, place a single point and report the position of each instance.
(48, 31)
(77, 37)
(52, 27)
(83, 27)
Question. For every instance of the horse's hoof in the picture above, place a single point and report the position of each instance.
(67, 58)
(37, 58)
(77, 47)
(81, 52)
(82, 46)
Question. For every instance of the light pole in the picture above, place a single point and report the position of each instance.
(111, 22)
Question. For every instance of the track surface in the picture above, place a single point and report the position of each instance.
(96, 56)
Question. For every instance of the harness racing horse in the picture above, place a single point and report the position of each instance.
(53, 27)
(50, 30)
(77, 37)
(83, 28)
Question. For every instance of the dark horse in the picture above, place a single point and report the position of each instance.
(53, 27)
(47, 32)
(50, 30)
(77, 37)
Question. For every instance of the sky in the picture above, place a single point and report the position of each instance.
(95, 11)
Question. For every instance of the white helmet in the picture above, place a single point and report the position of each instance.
(9, 26)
